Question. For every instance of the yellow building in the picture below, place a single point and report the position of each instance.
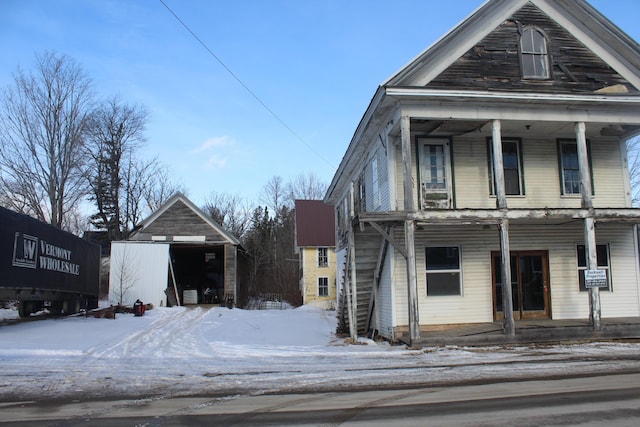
(315, 245)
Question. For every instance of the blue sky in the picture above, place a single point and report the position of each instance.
(315, 64)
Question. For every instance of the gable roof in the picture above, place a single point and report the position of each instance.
(179, 198)
(580, 19)
(315, 223)
(599, 36)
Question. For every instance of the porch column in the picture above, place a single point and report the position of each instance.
(409, 232)
(508, 324)
(595, 314)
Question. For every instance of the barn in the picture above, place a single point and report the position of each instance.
(176, 256)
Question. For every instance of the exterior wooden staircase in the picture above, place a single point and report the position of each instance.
(369, 256)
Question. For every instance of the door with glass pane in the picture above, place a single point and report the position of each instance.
(529, 285)
(435, 173)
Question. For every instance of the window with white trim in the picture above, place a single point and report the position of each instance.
(443, 270)
(602, 252)
(323, 286)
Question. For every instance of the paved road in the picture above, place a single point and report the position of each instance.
(589, 401)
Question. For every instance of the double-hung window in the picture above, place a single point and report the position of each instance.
(323, 286)
(602, 252)
(323, 257)
(534, 57)
(570, 167)
(443, 270)
(512, 166)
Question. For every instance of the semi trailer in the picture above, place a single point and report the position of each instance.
(44, 267)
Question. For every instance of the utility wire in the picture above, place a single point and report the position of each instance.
(256, 97)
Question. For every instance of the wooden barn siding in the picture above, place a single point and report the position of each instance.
(230, 270)
(476, 302)
(180, 220)
(493, 64)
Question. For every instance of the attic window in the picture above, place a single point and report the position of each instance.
(534, 57)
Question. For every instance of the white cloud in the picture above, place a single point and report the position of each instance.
(213, 143)
(215, 162)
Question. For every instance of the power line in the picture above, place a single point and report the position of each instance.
(256, 97)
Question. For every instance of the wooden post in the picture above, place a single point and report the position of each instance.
(409, 232)
(498, 165)
(508, 324)
(583, 164)
(590, 246)
(592, 264)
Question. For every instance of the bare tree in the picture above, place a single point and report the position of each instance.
(161, 187)
(229, 211)
(274, 194)
(123, 276)
(306, 186)
(116, 131)
(42, 129)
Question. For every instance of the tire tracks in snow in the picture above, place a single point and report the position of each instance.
(173, 333)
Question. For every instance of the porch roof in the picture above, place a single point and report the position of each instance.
(495, 216)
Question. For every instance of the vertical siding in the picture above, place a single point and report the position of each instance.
(143, 268)
(230, 271)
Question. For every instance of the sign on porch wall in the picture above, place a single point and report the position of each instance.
(595, 278)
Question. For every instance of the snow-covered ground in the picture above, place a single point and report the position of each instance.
(194, 351)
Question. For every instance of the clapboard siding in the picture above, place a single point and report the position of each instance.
(560, 241)
(541, 175)
(608, 174)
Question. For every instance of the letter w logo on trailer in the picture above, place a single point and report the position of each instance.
(25, 251)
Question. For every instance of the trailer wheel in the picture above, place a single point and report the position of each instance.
(24, 309)
(71, 305)
(56, 307)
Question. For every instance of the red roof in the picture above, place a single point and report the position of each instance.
(315, 223)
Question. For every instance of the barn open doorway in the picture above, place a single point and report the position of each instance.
(199, 273)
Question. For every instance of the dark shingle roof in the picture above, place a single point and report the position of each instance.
(315, 223)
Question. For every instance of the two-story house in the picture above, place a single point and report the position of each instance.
(315, 245)
(496, 156)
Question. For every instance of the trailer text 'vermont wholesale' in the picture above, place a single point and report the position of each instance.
(43, 266)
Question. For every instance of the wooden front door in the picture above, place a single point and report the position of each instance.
(529, 285)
